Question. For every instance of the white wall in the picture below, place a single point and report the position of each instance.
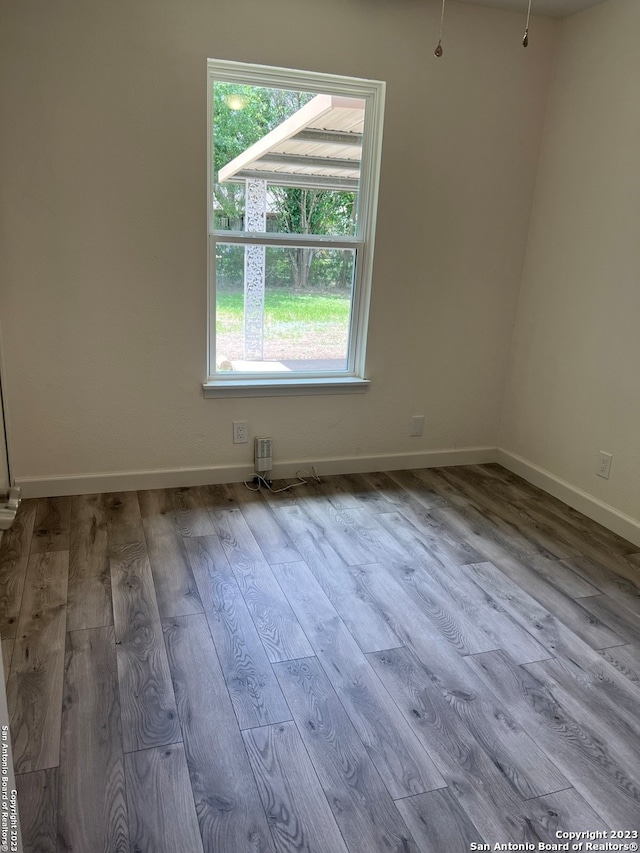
(574, 386)
(102, 226)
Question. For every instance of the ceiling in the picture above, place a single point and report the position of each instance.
(553, 8)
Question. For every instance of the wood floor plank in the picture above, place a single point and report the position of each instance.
(390, 490)
(246, 495)
(558, 638)
(332, 491)
(92, 809)
(419, 485)
(229, 810)
(51, 525)
(472, 718)
(7, 654)
(255, 694)
(490, 499)
(582, 755)
(617, 564)
(497, 477)
(438, 822)
(157, 511)
(601, 686)
(560, 536)
(401, 761)
(272, 539)
(124, 522)
(14, 555)
(348, 531)
(275, 622)
(288, 493)
(219, 496)
(37, 804)
(487, 789)
(624, 590)
(625, 659)
(298, 811)
(487, 720)
(358, 518)
(89, 597)
(361, 616)
(594, 709)
(560, 576)
(576, 527)
(450, 494)
(473, 620)
(610, 613)
(191, 512)
(361, 805)
(610, 558)
(162, 815)
(148, 709)
(543, 589)
(499, 542)
(344, 491)
(365, 492)
(89, 509)
(453, 625)
(436, 536)
(34, 688)
(175, 586)
(543, 537)
(565, 811)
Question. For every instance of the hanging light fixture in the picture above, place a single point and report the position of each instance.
(439, 51)
(525, 40)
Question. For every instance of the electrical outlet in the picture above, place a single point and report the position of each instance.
(240, 432)
(417, 425)
(604, 464)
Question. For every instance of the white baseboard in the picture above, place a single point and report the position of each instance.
(612, 519)
(125, 481)
(128, 481)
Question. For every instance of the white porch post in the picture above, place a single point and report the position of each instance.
(254, 270)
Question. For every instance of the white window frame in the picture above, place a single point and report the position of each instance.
(352, 379)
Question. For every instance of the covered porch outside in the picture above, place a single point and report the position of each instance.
(319, 147)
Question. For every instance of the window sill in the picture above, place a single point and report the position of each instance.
(284, 387)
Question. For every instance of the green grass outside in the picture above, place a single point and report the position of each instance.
(314, 324)
(284, 306)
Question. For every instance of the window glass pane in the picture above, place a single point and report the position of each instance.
(282, 308)
(285, 161)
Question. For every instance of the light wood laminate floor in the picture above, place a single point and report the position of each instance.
(404, 662)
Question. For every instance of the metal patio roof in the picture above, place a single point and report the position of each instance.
(318, 147)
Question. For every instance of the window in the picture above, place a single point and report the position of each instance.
(293, 161)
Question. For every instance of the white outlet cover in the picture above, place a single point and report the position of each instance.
(604, 464)
(417, 425)
(240, 432)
